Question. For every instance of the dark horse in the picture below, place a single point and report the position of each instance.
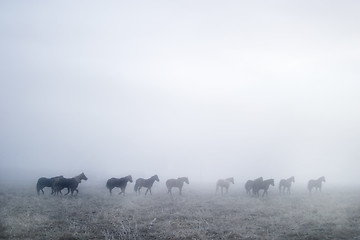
(224, 183)
(146, 183)
(70, 183)
(250, 184)
(315, 184)
(286, 184)
(118, 182)
(179, 183)
(264, 185)
(46, 182)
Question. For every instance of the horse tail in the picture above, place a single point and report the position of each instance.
(136, 186)
(38, 188)
(39, 185)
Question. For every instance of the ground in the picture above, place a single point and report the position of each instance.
(94, 214)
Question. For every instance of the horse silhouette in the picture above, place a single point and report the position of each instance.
(224, 183)
(146, 183)
(70, 183)
(285, 184)
(118, 182)
(315, 184)
(262, 185)
(250, 184)
(178, 183)
(46, 182)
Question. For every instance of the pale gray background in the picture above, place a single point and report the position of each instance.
(204, 89)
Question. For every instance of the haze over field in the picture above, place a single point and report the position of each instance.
(204, 89)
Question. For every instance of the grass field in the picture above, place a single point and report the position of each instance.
(94, 214)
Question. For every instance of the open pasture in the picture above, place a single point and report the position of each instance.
(94, 214)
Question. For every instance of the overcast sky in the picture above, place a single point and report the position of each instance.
(204, 89)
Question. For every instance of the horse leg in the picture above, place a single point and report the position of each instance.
(73, 190)
(67, 192)
(42, 191)
(265, 191)
(180, 191)
(146, 191)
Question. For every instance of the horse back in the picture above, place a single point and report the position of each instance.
(67, 183)
(174, 183)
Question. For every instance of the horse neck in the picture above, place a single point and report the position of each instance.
(78, 178)
(268, 182)
(152, 180)
(182, 180)
(230, 180)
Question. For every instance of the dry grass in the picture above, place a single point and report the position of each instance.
(93, 214)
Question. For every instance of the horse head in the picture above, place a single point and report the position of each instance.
(129, 178)
(322, 179)
(187, 180)
(184, 179)
(155, 177)
(272, 182)
(82, 177)
(230, 180)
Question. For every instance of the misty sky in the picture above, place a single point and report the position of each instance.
(204, 89)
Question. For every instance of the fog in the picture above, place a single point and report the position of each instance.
(204, 89)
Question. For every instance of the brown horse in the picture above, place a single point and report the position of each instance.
(46, 182)
(70, 183)
(315, 184)
(179, 183)
(250, 184)
(118, 182)
(147, 183)
(262, 185)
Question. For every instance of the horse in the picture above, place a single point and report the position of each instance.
(118, 182)
(264, 185)
(146, 183)
(286, 184)
(46, 182)
(250, 183)
(224, 183)
(315, 184)
(179, 183)
(70, 183)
